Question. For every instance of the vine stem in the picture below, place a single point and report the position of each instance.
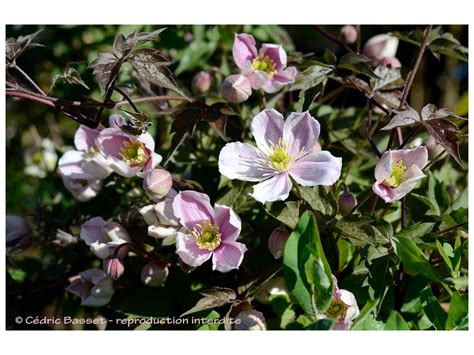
(30, 81)
(367, 130)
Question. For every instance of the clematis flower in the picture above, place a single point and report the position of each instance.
(236, 88)
(265, 69)
(93, 286)
(284, 149)
(382, 49)
(343, 308)
(213, 232)
(103, 236)
(160, 218)
(398, 171)
(81, 177)
(126, 154)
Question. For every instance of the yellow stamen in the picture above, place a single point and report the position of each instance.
(209, 237)
(134, 153)
(398, 169)
(279, 158)
(337, 309)
(264, 64)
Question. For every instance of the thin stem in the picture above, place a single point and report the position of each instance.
(411, 76)
(361, 202)
(435, 160)
(31, 81)
(358, 43)
(151, 99)
(332, 38)
(125, 96)
(263, 101)
(404, 212)
(409, 137)
(450, 229)
(367, 130)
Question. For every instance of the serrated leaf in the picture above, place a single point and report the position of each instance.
(288, 212)
(69, 75)
(312, 76)
(432, 308)
(445, 133)
(406, 117)
(106, 68)
(358, 63)
(151, 66)
(225, 121)
(213, 298)
(416, 231)
(14, 47)
(389, 78)
(430, 112)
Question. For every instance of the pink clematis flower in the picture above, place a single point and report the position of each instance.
(382, 50)
(103, 236)
(398, 171)
(126, 154)
(284, 149)
(93, 286)
(265, 69)
(343, 308)
(157, 183)
(213, 232)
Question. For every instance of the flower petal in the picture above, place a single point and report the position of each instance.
(276, 188)
(383, 169)
(267, 129)
(110, 142)
(276, 53)
(321, 168)
(279, 80)
(417, 156)
(228, 222)
(189, 252)
(243, 49)
(349, 299)
(192, 208)
(301, 132)
(257, 78)
(84, 138)
(238, 161)
(92, 231)
(228, 256)
(385, 192)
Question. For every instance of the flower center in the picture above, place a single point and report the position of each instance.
(337, 309)
(264, 64)
(134, 153)
(398, 169)
(91, 154)
(209, 237)
(279, 158)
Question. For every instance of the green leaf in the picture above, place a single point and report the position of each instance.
(304, 264)
(396, 322)
(432, 309)
(357, 63)
(322, 324)
(287, 213)
(413, 257)
(312, 76)
(415, 231)
(443, 251)
(458, 310)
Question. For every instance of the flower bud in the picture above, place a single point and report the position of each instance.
(188, 37)
(236, 88)
(347, 202)
(381, 46)
(201, 82)
(17, 228)
(277, 241)
(392, 61)
(157, 183)
(93, 286)
(114, 267)
(250, 320)
(154, 274)
(349, 33)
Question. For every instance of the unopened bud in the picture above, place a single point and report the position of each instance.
(188, 37)
(17, 228)
(392, 61)
(236, 88)
(381, 46)
(113, 267)
(349, 34)
(250, 320)
(201, 82)
(154, 274)
(277, 241)
(347, 202)
(157, 183)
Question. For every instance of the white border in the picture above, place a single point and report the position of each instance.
(232, 12)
